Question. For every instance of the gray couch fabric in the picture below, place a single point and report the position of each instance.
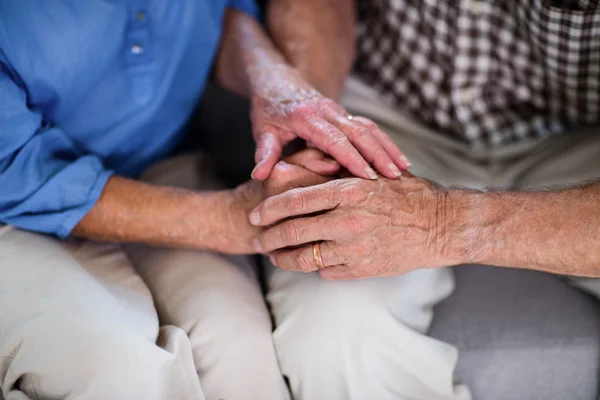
(522, 335)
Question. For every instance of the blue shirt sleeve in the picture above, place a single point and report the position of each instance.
(47, 184)
(247, 6)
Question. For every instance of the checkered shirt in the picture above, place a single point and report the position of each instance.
(488, 72)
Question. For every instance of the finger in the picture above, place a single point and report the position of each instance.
(302, 259)
(336, 107)
(362, 138)
(287, 176)
(268, 151)
(340, 272)
(305, 155)
(316, 161)
(390, 147)
(325, 167)
(331, 140)
(296, 202)
(295, 232)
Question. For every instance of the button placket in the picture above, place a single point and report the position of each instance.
(138, 57)
(137, 33)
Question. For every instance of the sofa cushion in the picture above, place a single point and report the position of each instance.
(521, 335)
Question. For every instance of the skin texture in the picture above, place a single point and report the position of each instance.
(554, 231)
(374, 230)
(389, 227)
(285, 106)
(317, 37)
(132, 211)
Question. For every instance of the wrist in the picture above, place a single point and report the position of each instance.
(237, 232)
(329, 86)
(223, 224)
(275, 79)
(487, 226)
(462, 227)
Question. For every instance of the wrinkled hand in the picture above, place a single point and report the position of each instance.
(305, 168)
(284, 107)
(367, 228)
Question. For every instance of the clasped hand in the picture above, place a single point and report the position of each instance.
(366, 228)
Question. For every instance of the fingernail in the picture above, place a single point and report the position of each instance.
(257, 246)
(254, 217)
(394, 170)
(272, 259)
(253, 171)
(281, 166)
(405, 161)
(370, 173)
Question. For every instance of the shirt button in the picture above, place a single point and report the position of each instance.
(477, 6)
(137, 49)
(466, 95)
(140, 16)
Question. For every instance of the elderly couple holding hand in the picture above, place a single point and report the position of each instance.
(116, 288)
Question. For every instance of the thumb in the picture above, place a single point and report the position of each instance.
(268, 151)
(315, 161)
(287, 176)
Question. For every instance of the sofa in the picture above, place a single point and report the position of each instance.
(521, 335)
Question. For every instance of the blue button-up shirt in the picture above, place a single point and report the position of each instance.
(91, 87)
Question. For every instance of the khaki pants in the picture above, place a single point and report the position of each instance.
(86, 320)
(79, 321)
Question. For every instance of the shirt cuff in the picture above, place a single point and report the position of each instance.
(77, 215)
(247, 6)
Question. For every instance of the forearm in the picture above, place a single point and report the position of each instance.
(245, 48)
(134, 212)
(554, 231)
(317, 37)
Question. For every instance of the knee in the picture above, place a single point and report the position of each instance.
(96, 360)
(118, 359)
(331, 335)
(329, 328)
(234, 331)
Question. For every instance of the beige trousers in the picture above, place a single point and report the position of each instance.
(86, 320)
(79, 321)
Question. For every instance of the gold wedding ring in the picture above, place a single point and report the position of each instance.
(317, 255)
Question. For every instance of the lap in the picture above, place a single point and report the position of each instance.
(362, 339)
(218, 303)
(74, 308)
(190, 285)
(43, 277)
(76, 319)
(216, 299)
